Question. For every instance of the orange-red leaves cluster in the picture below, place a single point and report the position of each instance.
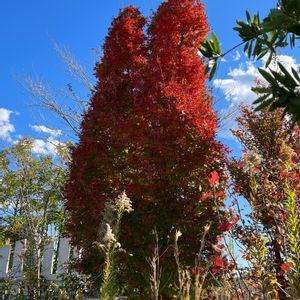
(286, 267)
(214, 178)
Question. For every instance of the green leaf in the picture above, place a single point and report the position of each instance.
(283, 99)
(295, 101)
(294, 29)
(257, 49)
(263, 52)
(213, 71)
(248, 16)
(267, 76)
(207, 68)
(250, 49)
(269, 59)
(292, 40)
(262, 98)
(261, 90)
(256, 20)
(295, 73)
(204, 53)
(246, 47)
(287, 74)
(274, 106)
(264, 104)
(210, 45)
(216, 43)
(281, 78)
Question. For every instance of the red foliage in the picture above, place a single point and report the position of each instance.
(265, 175)
(286, 267)
(219, 239)
(225, 226)
(150, 130)
(99, 159)
(214, 178)
(219, 262)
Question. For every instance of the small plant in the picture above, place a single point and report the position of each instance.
(292, 266)
(154, 263)
(109, 245)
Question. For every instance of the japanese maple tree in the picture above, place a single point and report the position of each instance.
(150, 131)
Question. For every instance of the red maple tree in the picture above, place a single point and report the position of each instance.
(150, 131)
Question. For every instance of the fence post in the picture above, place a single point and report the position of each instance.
(4, 260)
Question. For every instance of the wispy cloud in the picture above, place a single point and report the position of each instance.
(44, 129)
(236, 56)
(6, 127)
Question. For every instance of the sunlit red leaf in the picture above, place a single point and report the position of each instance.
(225, 226)
(219, 262)
(287, 266)
(214, 178)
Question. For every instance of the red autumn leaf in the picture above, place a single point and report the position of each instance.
(220, 194)
(214, 270)
(283, 174)
(219, 262)
(237, 189)
(205, 196)
(219, 248)
(225, 226)
(236, 296)
(295, 176)
(214, 178)
(287, 266)
(235, 220)
(219, 239)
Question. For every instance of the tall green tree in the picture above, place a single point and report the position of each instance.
(31, 203)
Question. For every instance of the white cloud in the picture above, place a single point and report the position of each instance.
(44, 129)
(48, 147)
(6, 127)
(237, 88)
(236, 56)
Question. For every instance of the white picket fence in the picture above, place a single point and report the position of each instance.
(49, 255)
(62, 254)
(59, 256)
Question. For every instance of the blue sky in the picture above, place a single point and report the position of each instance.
(28, 29)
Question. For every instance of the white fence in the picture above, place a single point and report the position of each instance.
(16, 271)
(52, 255)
